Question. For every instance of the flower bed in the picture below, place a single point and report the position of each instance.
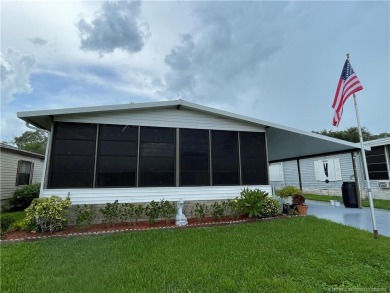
(99, 229)
(51, 214)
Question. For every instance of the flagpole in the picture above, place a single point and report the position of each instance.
(375, 229)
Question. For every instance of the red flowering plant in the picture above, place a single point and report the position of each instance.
(298, 199)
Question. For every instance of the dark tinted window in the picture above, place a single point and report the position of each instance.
(376, 164)
(73, 155)
(157, 156)
(117, 156)
(224, 157)
(24, 173)
(194, 157)
(253, 158)
(75, 131)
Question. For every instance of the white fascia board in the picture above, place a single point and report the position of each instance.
(378, 142)
(107, 108)
(19, 151)
(42, 118)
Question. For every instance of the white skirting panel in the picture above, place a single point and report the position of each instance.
(147, 194)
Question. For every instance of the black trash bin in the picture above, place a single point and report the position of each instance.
(348, 190)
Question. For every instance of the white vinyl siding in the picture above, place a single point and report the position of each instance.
(290, 173)
(276, 172)
(310, 182)
(147, 194)
(183, 118)
(287, 172)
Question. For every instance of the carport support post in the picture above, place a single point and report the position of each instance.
(366, 170)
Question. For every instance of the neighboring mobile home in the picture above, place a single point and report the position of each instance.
(170, 150)
(17, 168)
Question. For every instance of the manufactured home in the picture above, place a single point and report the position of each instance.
(164, 150)
(18, 168)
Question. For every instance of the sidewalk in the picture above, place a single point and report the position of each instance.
(359, 218)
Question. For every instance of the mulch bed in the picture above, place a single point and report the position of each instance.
(99, 229)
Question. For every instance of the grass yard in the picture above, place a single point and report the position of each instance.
(378, 203)
(17, 216)
(302, 254)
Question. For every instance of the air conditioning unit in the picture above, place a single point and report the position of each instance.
(384, 184)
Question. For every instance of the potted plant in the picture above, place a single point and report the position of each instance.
(299, 201)
(286, 193)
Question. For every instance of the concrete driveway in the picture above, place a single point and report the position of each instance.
(359, 218)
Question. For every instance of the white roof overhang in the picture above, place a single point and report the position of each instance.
(378, 142)
(283, 142)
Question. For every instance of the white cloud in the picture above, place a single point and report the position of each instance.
(118, 25)
(38, 41)
(15, 74)
(221, 57)
(276, 61)
(10, 126)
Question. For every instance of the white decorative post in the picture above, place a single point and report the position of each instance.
(181, 219)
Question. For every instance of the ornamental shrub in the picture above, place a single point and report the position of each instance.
(127, 212)
(167, 210)
(217, 210)
(234, 208)
(111, 213)
(23, 196)
(152, 211)
(138, 212)
(5, 225)
(23, 225)
(200, 211)
(48, 214)
(270, 207)
(84, 215)
(251, 201)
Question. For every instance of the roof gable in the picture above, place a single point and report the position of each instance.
(12, 149)
(279, 137)
(177, 117)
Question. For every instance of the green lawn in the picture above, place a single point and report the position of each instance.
(17, 216)
(378, 203)
(302, 254)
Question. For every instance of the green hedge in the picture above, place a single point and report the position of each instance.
(23, 196)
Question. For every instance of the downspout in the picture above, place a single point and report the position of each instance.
(267, 159)
(363, 186)
(46, 154)
(299, 174)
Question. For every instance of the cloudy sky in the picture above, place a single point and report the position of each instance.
(275, 61)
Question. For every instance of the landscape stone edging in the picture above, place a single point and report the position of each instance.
(200, 225)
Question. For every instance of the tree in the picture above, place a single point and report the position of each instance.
(352, 134)
(32, 141)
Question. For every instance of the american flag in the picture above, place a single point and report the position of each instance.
(348, 85)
